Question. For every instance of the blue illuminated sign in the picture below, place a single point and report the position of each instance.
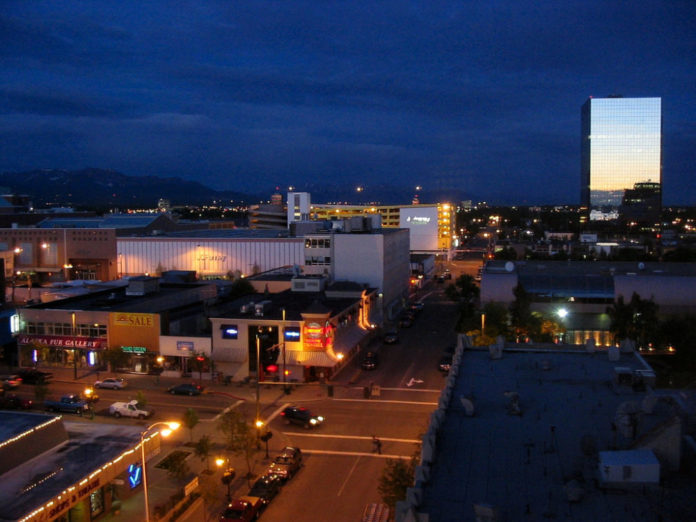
(135, 475)
(229, 331)
(292, 333)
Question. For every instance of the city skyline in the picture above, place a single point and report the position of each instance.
(247, 97)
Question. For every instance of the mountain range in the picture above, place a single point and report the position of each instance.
(103, 188)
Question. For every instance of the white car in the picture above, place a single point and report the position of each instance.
(129, 409)
(115, 383)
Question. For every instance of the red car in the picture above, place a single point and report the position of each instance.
(12, 401)
(243, 509)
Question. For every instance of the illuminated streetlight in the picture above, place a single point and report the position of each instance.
(170, 427)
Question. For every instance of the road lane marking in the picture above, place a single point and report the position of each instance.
(412, 390)
(358, 437)
(348, 477)
(409, 371)
(277, 412)
(381, 401)
(230, 407)
(356, 454)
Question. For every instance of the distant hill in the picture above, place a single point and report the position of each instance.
(103, 188)
(93, 187)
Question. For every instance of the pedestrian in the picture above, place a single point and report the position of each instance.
(376, 445)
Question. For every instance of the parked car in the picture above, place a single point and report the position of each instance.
(12, 401)
(417, 306)
(301, 416)
(266, 488)
(370, 361)
(9, 382)
(405, 321)
(243, 509)
(68, 404)
(34, 376)
(130, 409)
(112, 383)
(391, 337)
(186, 389)
(445, 363)
(286, 464)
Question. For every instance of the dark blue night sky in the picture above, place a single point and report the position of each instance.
(247, 95)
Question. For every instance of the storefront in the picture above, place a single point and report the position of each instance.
(137, 336)
(60, 350)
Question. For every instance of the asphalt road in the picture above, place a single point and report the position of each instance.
(341, 473)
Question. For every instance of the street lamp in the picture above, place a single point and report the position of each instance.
(170, 427)
(258, 386)
(285, 371)
(227, 475)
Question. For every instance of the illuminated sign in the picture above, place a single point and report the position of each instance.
(134, 349)
(62, 341)
(229, 331)
(291, 334)
(184, 346)
(72, 500)
(137, 320)
(135, 475)
(318, 337)
(418, 220)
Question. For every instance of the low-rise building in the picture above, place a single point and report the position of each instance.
(56, 470)
(535, 434)
(304, 333)
(581, 291)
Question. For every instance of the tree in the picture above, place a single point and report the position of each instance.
(240, 437)
(203, 449)
(496, 321)
(115, 357)
(464, 289)
(190, 420)
(397, 476)
(520, 311)
(198, 362)
(506, 254)
(636, 320)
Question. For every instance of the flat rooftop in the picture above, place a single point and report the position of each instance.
(294, 304)
(38, 480)
(590, 268)
(114, 298)
(520, 464)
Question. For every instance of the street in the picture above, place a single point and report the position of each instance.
(340, 473)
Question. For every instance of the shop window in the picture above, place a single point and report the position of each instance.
(96, 502)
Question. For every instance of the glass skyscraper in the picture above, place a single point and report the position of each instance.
(621, 146)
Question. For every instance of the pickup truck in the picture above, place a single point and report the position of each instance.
(129, 409)
(243, 509)
(67, 404)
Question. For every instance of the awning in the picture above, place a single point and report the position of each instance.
(347, 338)
(300, 358)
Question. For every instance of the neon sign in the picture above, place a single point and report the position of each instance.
(135, 475)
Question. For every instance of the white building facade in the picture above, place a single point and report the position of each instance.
(208, 257)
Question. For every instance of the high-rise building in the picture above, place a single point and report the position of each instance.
(621, 146)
